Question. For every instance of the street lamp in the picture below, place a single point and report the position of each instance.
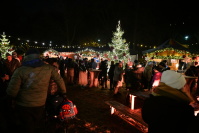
(186, 37)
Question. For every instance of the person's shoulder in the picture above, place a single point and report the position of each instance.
(47, 66)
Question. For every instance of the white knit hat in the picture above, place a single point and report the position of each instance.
(173, 79)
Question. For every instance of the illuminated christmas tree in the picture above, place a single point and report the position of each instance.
(4, 46)
(119, 49)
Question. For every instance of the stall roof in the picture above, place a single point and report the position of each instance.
(171, 43)
(76, 49)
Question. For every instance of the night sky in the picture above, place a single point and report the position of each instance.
(72, 22)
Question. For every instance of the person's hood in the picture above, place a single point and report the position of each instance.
(164, 90)
(32, 60)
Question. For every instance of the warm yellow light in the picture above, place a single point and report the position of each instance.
(156, 82)
(177, 66)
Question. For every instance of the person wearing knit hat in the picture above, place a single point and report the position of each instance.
(32, 51)
(168, 108)
(29, 88)
(8, 54)
(173, 79)
(32, 58)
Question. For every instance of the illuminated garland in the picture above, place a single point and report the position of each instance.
(51, 52)
(171, 49)
(168, 53)
(88, 52)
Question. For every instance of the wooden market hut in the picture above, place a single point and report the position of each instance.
(170, 50)
(70, 52)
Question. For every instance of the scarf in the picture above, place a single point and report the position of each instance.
(32, 60)
(167, 91)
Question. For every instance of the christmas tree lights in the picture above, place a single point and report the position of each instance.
(4, 46)
(119, 49)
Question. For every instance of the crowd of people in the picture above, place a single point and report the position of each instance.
(27, 83)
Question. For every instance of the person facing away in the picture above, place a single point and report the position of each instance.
(83, 80)
(29, 86)
(93, 64)
(111, 74)
(147, 74)
(168, 109)
(70, 66)
(103, 67)
(118, 77)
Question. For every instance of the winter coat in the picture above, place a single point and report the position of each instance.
(111, 71)
(168, 111)
(29, 83)
(11, 66)
(147, 73)
(118, 74)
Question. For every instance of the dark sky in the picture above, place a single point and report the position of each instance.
(72, 22)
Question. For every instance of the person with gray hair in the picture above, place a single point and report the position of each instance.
(169, 109)
(147, 74)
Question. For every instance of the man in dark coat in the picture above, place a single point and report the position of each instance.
(111, 74)
(11, 64)
(103, 73)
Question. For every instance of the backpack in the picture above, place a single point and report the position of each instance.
(67, 110)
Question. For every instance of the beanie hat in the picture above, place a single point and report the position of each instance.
(162, 64)
(7, 54)
(14, 53)
(173, 79)
(32, 51)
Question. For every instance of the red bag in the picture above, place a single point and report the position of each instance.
(68, 110)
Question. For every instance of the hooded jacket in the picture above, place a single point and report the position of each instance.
(168, 111)
(29, 83)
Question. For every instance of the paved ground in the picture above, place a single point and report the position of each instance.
(94, 115)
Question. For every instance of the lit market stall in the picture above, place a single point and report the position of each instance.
(172, 51)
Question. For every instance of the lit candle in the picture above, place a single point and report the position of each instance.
(196, 112)
(132, 97)
(177, 66)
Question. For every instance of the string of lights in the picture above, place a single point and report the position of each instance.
(17, 41)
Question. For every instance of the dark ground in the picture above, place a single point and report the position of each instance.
(94, 115)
